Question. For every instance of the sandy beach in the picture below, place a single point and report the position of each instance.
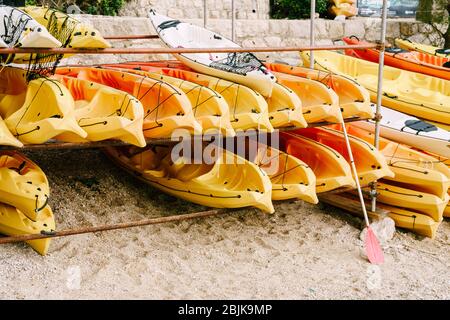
(300, 252)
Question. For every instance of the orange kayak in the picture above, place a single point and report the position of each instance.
(370, 163)
(354, 99)
(330, 167)
(407, 60)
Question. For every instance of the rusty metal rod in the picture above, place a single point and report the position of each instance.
(124, 225)
(177, 50)
(132, 37)
(61, 145)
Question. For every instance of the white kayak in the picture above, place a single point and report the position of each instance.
(411, 131)
(3, 44)
(18, 29)
(243, 68)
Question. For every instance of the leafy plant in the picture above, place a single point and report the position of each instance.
(296, 9)
(435, 13)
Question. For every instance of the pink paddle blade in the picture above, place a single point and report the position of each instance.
(373, 248)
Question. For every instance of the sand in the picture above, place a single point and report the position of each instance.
(300, 252)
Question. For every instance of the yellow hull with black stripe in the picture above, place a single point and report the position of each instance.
(291, 178)
(330, 168)
(413, 93)
(229, 182)
(400, 196)
(14, 223)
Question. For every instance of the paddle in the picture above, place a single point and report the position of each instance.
(371, 243)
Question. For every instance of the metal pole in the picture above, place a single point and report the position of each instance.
(117, 226)
(379, 93)
(233, 21)
(311, 33)
(205, 14)
(179, 50)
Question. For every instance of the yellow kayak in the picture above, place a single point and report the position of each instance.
(23, 184)
(71, 32)
(319, 103)
(354, 99)
(21, 107)
(285, 108)
(370, 163)
(417, 94)
(414, 169)
(399, 196)
(330, 168)
(166, 108)
(104, 113)
(209, 107)
(247, 108)
(291, 178)
(6, 137)
(19, 30)
(416, 222)
(424, 48)
(13, 223)
(229, 182)
(441, 161)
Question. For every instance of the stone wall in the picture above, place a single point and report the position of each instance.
(261, 32)
(193, 9)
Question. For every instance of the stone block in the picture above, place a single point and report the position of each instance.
(298, 28)
(335, 30)
(354, 28)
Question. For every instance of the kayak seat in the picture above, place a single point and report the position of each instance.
(420, 126)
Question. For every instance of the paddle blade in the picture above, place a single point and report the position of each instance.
(373, 248)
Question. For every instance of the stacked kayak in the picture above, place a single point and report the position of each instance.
(284, 107)
(18, 29)
(21, 107)
(229, 182)
(413, 61)
(330, 168)
(299, 96)
(413, 46)
(247, 108)
(409, 130)
(24, 193)
(413, 93)
(370, 163)
(104, 113)
(354, 99)
(291, 178)
(243, 68)
(71, 32)
(320, 104)
(165, 108)
(420, 184)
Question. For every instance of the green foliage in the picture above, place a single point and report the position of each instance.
(437, 14)
(103, 7)
(432, 11)
(296, 9)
